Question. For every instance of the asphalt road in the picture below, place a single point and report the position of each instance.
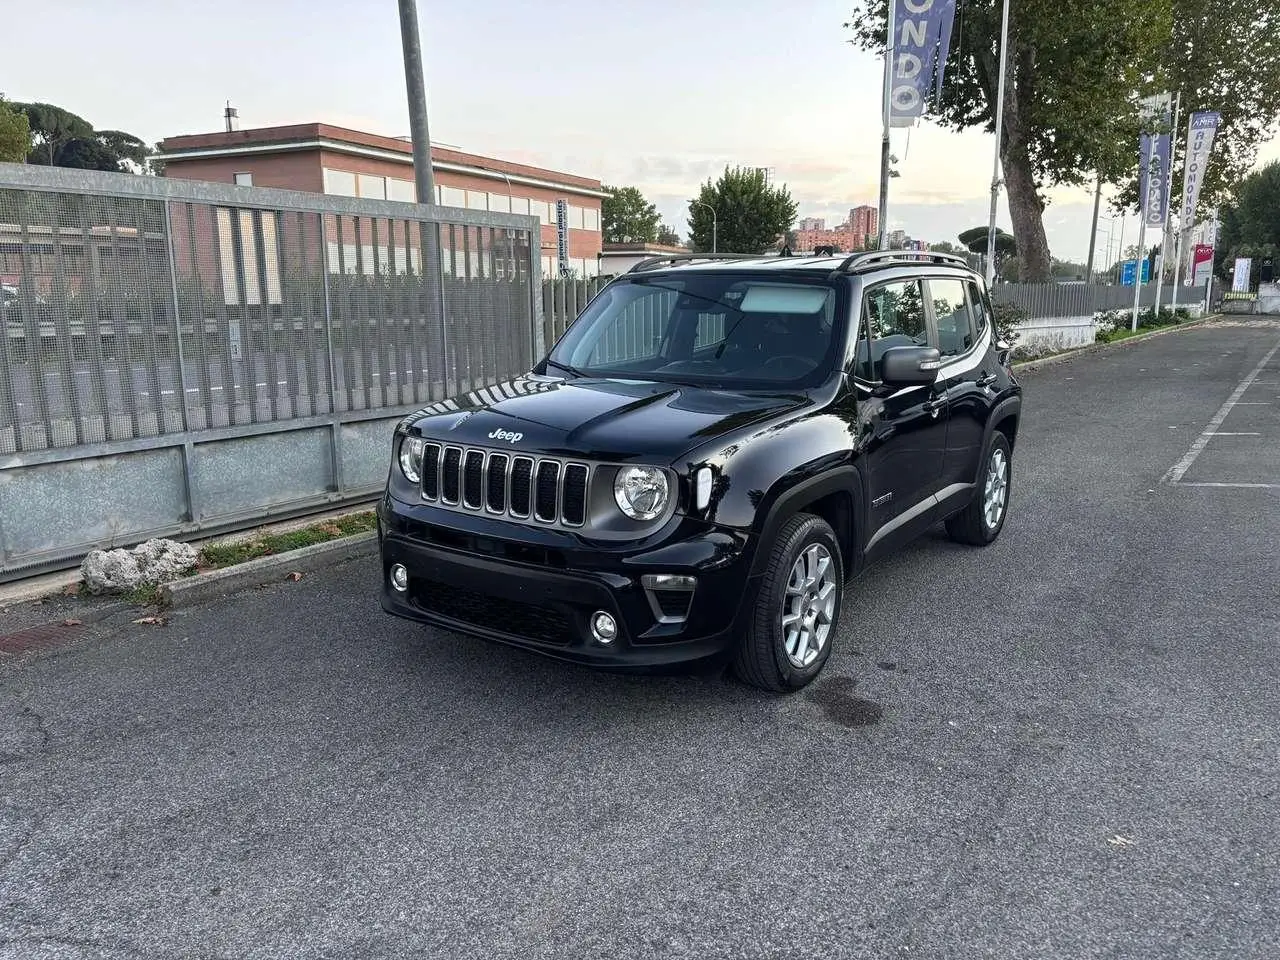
(1065, 745)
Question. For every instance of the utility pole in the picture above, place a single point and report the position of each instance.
(416, 88)
(884, 142)
(995, 165)
(1093, 236)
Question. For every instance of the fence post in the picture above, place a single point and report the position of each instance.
(177, 314)
(328, 314)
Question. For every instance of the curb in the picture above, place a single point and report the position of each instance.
(1029, 365)
(263, 570)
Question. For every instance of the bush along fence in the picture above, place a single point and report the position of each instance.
(1040, 317)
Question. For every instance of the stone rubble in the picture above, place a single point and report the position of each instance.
(152, 562)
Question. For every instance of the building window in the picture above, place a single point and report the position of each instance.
(546, 212)
(500, 202)
(371, 187)
(404, 191)
(340, 183)
(591, 219)
(575, 217)
(520, 205)
(453, 197)
(548, 268)
(477, 200)
(244, 179)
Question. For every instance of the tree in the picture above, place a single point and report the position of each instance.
(64, 139)
(15, 134)
(628, 217)
(750, 214)
(1250, 225)
(667, 236)
(975, 239)
(1069, 105)
(1221, 55)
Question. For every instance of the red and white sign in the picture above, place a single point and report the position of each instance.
(1201, 264)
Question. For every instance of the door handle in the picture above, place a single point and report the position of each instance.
(933, 405)
(986, 380)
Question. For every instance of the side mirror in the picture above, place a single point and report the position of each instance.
(910, 366)
(1003, 351)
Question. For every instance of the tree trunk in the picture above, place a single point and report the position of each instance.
(1026, 210)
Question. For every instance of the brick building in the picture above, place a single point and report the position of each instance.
(865, 221)
(321, 158)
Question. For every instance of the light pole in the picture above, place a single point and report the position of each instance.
(714, 225)
(424, 181)
(995, 163)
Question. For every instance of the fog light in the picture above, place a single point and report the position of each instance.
(399, 577)
(603, 627)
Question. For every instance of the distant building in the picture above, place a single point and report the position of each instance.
(811, 223)
(322, 158)
(898, 239)
(842, 237)
(865, 220)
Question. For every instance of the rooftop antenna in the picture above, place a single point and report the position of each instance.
(232, 117)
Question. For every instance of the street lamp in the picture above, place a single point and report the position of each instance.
(714, 225)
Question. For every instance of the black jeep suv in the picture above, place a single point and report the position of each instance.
(711, 451)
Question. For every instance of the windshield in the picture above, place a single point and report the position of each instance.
(717, 328)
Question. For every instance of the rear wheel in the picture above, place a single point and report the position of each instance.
(981, 521)
(797, 608)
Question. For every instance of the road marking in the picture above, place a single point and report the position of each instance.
(1253, 403)
(1251, 486)
(1227, 433)
(1179, 469)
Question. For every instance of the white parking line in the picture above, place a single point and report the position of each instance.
(1179, 469)
(1252, 486)
(1228, 433)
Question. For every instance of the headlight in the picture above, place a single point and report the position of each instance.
(411, 458)
(641, 492)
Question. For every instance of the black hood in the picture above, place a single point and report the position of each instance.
(620, 420)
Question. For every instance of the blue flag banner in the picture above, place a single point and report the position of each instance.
(921, 41)
(1154, 149)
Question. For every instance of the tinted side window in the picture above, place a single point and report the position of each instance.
(981, 310)
(951, 312)
(893, 314)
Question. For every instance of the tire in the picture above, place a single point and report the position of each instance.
(973, 524)
(765, 658)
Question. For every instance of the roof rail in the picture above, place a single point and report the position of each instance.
(880, 258)
(668, 258)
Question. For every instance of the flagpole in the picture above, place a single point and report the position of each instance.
(884, 142)
(1168, 198)
(995, 164)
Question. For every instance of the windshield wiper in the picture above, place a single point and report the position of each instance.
(566, 368)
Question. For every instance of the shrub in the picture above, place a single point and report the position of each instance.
(1115, 324)
(1007, 317)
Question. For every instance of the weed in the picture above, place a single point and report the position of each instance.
(228, 554)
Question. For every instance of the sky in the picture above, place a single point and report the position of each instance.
(656, 96)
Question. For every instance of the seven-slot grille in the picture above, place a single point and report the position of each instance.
(542, 488)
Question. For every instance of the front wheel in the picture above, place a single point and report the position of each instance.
(981, 521)
(797, 608)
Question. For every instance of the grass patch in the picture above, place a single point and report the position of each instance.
(144, 595)
(216, 556)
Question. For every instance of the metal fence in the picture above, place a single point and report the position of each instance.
(1044, 300)
(178, 356)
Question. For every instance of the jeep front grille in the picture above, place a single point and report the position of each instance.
(545, 489)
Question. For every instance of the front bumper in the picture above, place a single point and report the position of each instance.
(469, 582)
